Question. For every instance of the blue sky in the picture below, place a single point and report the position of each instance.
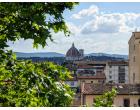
(96, 27)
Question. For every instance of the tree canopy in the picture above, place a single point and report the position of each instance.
(23, 83)
(32, 21)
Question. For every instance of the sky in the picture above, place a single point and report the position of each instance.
(101, 27)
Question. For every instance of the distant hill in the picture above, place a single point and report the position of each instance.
(39, 54)
(108, 55)
(55, 54)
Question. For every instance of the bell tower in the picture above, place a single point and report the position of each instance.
(134, 58)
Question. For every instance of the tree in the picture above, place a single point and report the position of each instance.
(23, 83)
(106, 100)
(32, 21)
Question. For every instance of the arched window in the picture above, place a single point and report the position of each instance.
(139, 102)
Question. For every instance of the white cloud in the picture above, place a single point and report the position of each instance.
(102, 22)
(92, 10)
(73, 28)
(112, 23)
(103, 32)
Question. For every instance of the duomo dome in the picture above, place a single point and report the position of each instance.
(74, 54)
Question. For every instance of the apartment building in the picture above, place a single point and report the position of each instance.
(117, 72)
(90, 73)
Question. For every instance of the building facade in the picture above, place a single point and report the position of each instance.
(128, 95)
(117, 72)
(134, 58)
(89, 72)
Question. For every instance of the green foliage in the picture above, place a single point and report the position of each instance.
(23, 83)
(34, 21)
(106, 100)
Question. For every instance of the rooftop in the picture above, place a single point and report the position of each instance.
(123, 89)
(96, 76)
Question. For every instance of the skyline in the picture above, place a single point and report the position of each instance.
(96, 28)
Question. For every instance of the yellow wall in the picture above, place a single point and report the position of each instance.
(118, 101)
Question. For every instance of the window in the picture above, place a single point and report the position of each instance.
(126, 103)
(121, 68)
(111, 81)
(83, 81)
(91, 81)
(134, 58)
(139, 102)
(110, 66)
(121, 74)
(110, 77)
(110, 72)
(133, 77)
(134, 47)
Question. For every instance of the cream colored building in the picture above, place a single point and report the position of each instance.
(128, 95)
(134, 58)
(119, 101)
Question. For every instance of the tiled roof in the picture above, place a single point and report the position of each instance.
(103, 63)
(118, 63)
(89, 67)
(123, 89)
(96, 76)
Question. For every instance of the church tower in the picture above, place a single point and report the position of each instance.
(134, 58)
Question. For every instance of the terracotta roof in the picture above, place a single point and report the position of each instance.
(103, 63)
(123, 89)
(89, 67)
(90, 62)
(96, 76)
(118, 63)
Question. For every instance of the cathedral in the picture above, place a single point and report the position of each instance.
(73, 54)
